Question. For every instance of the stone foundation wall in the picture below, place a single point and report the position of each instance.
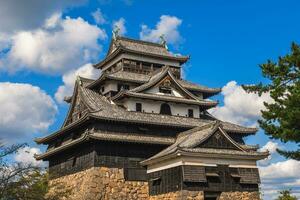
(184, 195)
(239, 196)
(189, 195)
(102, 183)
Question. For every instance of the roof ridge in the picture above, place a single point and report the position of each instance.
(139, 41)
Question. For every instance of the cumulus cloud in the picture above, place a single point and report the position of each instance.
(19, 15)
(278, 174)
(26, 156)
(25, 110)
(59, 46)
(86, 71)
(121, 25)
(167, 26)
(284, 169)
(239, 106)
(271, 147)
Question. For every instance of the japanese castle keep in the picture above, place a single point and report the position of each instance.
(140, 131)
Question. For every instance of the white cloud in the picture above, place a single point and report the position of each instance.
(270, 146)
(19, 15)
(239, 106)
(53, 21)
(99, 17)
(121, 25)
(167, 26)
(284, 169)
(278, 174)
(25, 110)
(25, 156)
(86, 71)
(58, 47)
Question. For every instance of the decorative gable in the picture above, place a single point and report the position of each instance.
(76, 111)
(219, 140)
(168, 86)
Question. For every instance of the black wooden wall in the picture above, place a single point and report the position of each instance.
(94, 153)
(172, 179)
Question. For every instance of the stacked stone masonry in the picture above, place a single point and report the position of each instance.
(102, 183)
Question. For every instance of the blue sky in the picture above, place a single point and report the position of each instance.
(227, 40)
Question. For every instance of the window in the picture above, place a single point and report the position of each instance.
(138, 107)
(156, 181)
(190, 112)
(165, 90)
(135, 174)
(102, 90)
(165, 109)
(123, 87)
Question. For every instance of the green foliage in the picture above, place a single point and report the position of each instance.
(281, 119)
(286, 195)
(26, 182)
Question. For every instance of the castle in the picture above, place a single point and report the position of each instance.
(140, 131)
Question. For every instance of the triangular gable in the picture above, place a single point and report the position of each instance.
(164, 78)
(112, 47)
(76, 108)
(220, 139)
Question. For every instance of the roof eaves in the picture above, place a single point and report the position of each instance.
(63, 147)
(164, 98)
(59, 132)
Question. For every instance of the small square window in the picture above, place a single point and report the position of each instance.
(165, 90)
(138, 107)
(123, 87)
(190, 112)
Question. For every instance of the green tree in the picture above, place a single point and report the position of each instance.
(286, 195)
(24, 181)
(281, 119)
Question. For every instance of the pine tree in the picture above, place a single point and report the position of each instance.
(286, 195)
(281, 119)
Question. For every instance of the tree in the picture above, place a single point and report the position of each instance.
(24, 181)
(281, 119)
(286, 195)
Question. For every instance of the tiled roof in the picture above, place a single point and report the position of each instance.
(121, 44)
(143, 78)
(110, 136)
(165, 71)
(142, 46)
(190, 140)
(133, 138)
(200, 102)
(196, 87)
(101, 108)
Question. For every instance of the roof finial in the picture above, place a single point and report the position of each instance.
(79, 80)
(163, 40)
(115, 32)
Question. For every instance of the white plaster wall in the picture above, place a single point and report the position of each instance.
(110, 86)
(113, 86)
(150, 106)
(155, 90)
(201, 161)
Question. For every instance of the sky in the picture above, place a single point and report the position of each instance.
(44, 45)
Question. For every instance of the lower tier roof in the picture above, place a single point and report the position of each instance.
(100, 108)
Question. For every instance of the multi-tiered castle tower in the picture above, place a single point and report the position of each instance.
(140, 131)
